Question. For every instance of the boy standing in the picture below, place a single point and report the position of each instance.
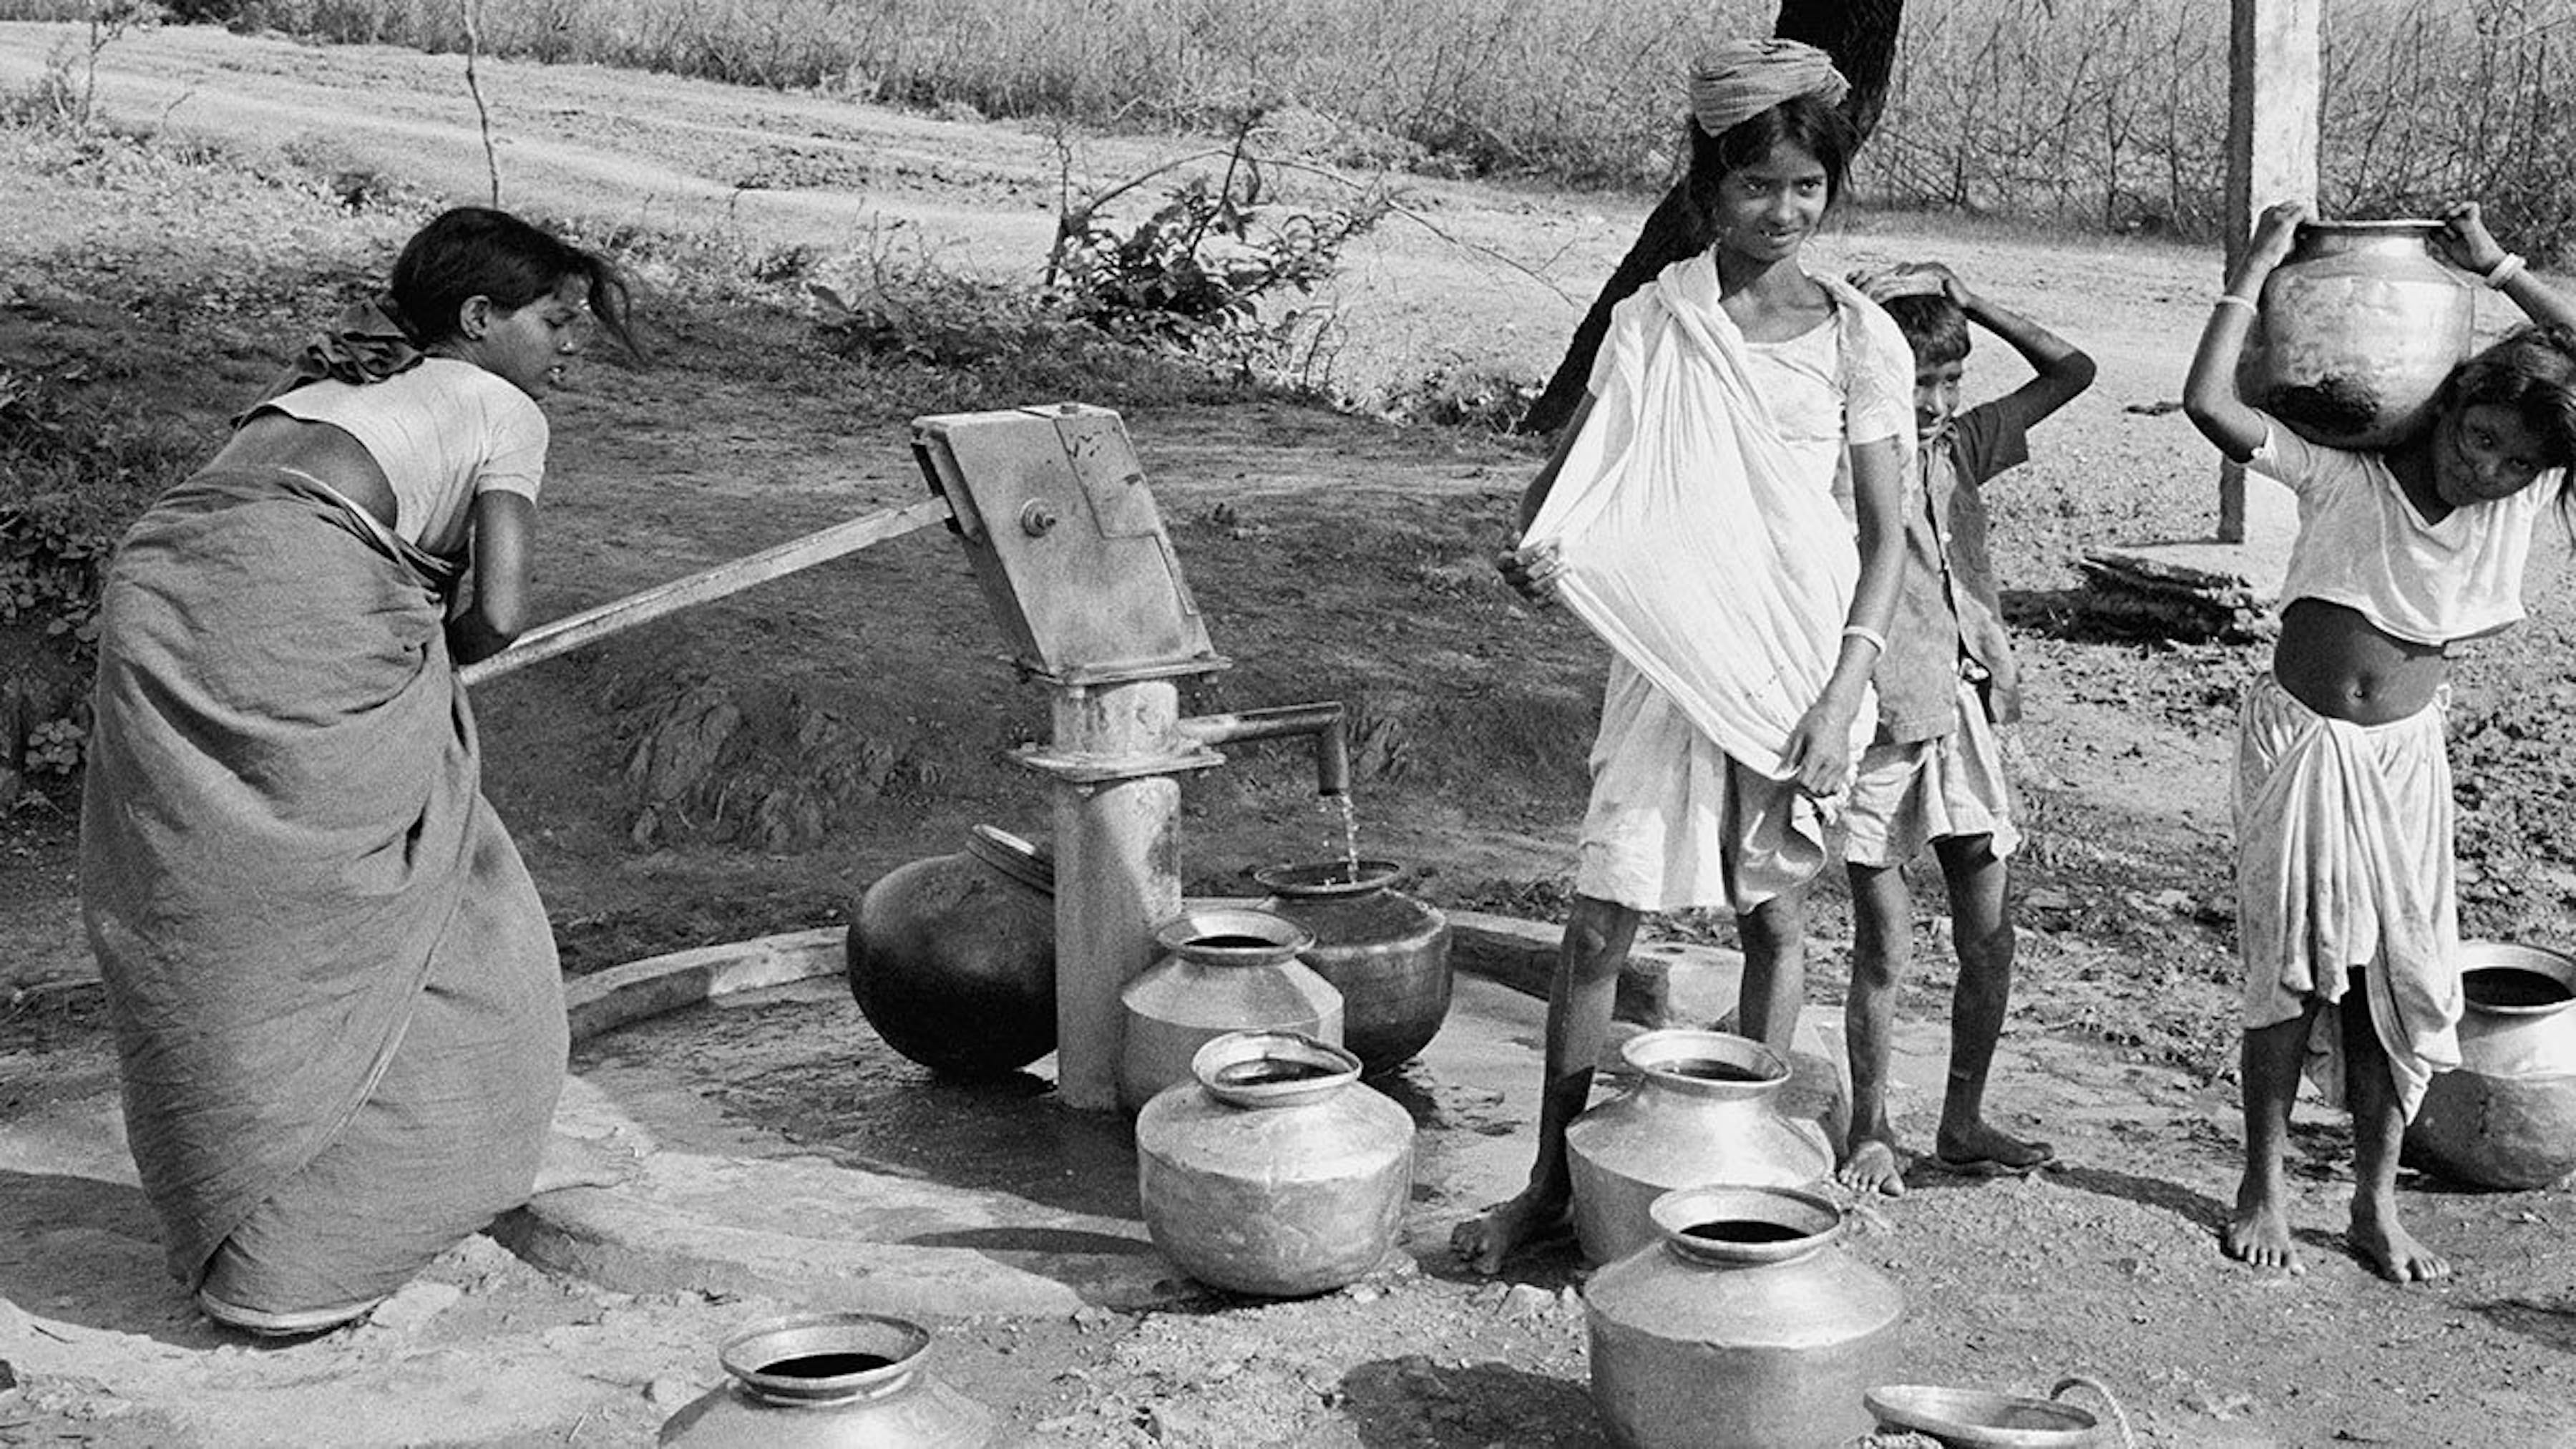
(1935, 773)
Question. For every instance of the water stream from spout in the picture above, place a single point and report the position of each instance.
(1350, 834)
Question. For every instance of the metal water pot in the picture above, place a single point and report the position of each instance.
(1387, 952)
(1704, 1109)
(2356, 331)
(952, 959)
(829, 1381)
(1742, 1324)
(1274, 1170)
(1225, 969)
(2507, 1117)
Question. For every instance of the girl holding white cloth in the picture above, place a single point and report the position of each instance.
(1723, 509)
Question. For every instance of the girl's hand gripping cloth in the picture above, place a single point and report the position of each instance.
(1694, 539)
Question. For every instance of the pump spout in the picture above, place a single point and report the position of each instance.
(1322, 721)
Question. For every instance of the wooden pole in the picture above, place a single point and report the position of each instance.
(2272, 139)
(574, 630)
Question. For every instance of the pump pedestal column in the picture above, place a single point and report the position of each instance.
(1118, 875)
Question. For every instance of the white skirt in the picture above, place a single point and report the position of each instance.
(1675, 822)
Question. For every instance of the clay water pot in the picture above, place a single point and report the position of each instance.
(1704, 1109)
(1274, 1170)
(1387, 952)
(1742, 1324)
(1225, 969)
(829, 1381)
(2507, 1117)
(952, 959)
(2356, 331)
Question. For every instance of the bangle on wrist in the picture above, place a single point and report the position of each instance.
(1867, 635)
(2505, 270)
(2230, 299)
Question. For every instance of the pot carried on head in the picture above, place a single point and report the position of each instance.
(2356, 332)
(2506, 1118)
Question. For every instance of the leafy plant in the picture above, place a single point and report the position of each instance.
(49, 570)
(1195, 272)
(1456, 392)
(55, 746)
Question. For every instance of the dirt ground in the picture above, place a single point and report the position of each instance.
(748, 767)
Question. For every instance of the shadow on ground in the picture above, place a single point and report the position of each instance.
(1414, 1401)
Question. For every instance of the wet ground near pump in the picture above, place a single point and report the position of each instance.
(786, 1149)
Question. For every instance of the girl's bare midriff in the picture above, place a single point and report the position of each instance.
(2339, 664)
(317, 450)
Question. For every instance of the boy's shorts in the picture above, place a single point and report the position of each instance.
(1903, 797)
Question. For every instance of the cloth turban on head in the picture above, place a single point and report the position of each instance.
(1741, 79)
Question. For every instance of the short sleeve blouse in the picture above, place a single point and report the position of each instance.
(2361, 543)
(443, 432)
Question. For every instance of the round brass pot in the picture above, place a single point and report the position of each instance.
(1742, 1324)
(2356, 331)
(1274, 1170)
(1225, 969)
(2507, 1117)
(829, 1381)
(952, 959)
(1387, 953)
(1704, 1109)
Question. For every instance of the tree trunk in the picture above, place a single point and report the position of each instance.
(1861, 37)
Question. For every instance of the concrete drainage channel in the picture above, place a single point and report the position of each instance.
(786, 1151)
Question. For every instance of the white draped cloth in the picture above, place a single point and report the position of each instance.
(1701, 544)
(2343, 861)
(1700, 535)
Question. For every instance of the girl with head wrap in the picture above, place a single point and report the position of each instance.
(1723, 510)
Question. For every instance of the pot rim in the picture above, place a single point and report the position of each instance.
(900, 1341)
(1281, 937)
(2516, 956)
(1975, 1417)
(2370, 226)
(1315, 879)
(1012, 855)
(1676, 1212)
(1652, 1053)
(1235, 1048)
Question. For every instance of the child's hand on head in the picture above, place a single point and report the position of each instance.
(1906, 279)
(2464, 238)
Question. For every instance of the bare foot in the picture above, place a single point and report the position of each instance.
(585, 1162)
(2385, 1244)
(1985, 1151)
(2259, 1234)
(1876, 1165)
(1484, 1243)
